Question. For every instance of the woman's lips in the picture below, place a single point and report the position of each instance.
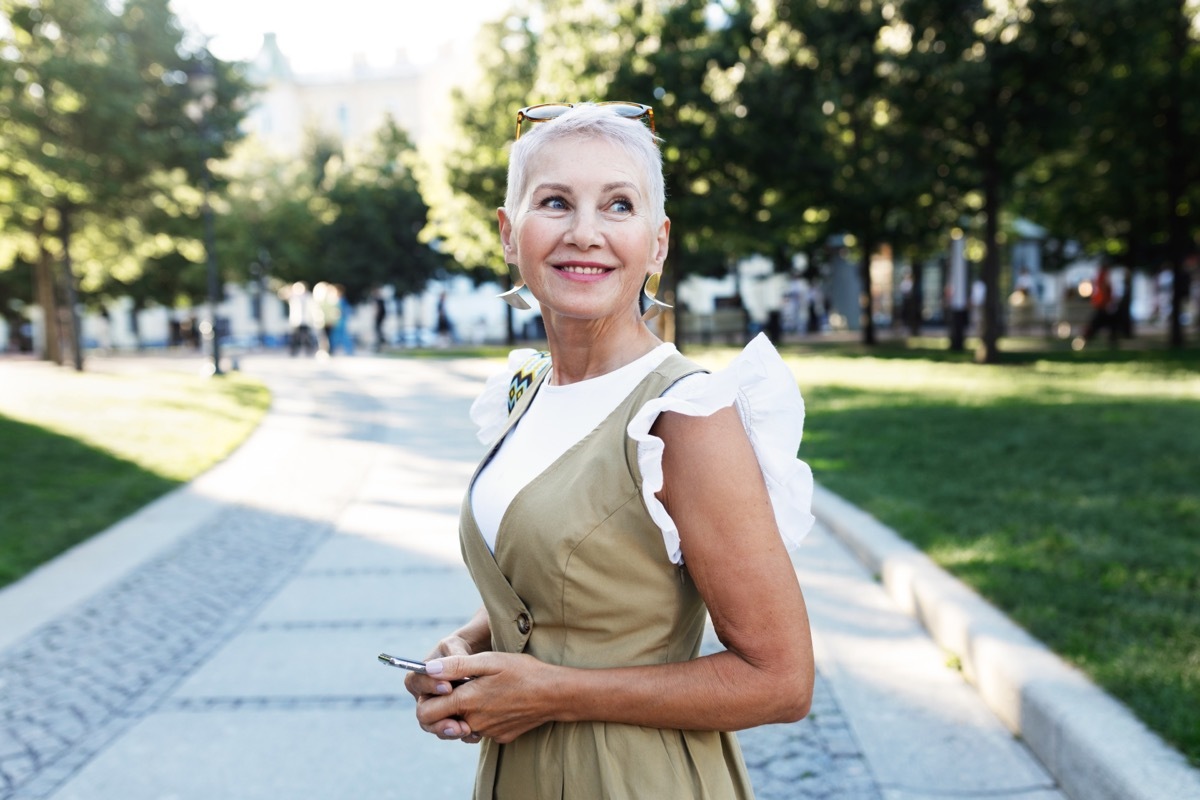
(584, 272)
(581, 269)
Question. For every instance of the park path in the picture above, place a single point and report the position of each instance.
(221, 643)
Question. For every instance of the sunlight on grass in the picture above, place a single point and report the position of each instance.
(84, 450)
(174, 424)
(978, 383)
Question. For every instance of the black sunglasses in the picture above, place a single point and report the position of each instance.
(549, 111)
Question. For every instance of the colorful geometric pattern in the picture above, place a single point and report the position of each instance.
(525, 376)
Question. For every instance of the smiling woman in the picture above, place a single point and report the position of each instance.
(627, 496)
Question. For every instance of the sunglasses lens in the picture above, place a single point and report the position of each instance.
(632, 110)
(545, 112)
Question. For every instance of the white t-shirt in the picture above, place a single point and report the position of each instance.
(559, 418)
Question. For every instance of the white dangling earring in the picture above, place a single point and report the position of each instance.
(512, 296)
(649, 290)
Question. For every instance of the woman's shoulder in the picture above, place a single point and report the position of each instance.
(757, 382)
(503, 388)
(766, 396)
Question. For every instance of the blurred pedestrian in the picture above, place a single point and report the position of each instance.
(1164, 285)
(1103, 306)
(380, 318)
(445, 328)
(326, 295)
(817, 309)
(1122, 303)
(302, 318)
(341, 332)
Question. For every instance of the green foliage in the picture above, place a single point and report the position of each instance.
(784, 123)
(377, 217)
(463, 200)
(99, 149)
(1108, 189)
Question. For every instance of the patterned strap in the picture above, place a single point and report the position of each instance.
(529, 372)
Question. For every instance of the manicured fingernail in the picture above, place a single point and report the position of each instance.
(448, 732)
(442, 688)
(434, 667)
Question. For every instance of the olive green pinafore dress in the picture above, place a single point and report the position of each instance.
(580, 577)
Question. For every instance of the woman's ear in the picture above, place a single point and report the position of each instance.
(505, 234)
(662, 243)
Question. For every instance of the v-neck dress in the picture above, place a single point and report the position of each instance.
(580, 578)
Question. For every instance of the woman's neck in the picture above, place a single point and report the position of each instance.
(584, 349)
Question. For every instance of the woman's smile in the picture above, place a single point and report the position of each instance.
(584, 272)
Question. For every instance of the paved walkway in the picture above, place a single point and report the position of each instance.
(221, 643)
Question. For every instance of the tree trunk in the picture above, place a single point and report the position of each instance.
(866, 303)
(47, 298)
(672, 318)
(1176, 172)
(69, 284)
(916, 307)
(988, 353)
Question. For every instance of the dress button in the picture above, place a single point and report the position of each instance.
(524, 624)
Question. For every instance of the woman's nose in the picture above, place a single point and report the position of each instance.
(584, 230)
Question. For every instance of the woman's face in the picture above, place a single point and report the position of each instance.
(582, 234)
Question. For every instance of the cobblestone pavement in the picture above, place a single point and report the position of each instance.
(78, 683)
(814, 759)
(74, 687)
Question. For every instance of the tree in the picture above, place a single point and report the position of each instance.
(989, 84)
(684, 61)
(867, 188)
(377, 218)
(466, 186)
(1128, 182)
(94, 109)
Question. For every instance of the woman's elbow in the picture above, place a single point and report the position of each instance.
(795, 701)
(792, 690)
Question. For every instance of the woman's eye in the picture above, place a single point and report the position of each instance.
(553, 202)
(622, 206)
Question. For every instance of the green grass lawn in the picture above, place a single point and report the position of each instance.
(1064, 487)
(82, 450)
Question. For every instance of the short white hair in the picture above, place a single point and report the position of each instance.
(587, 120)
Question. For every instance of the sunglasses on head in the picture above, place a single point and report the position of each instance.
(549, 111)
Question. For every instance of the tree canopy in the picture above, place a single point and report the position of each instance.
(786, 125)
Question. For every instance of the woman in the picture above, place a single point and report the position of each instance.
(624, 496)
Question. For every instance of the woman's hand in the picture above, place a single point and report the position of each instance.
(473, 637)
(507, 695)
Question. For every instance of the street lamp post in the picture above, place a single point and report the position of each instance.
(264, 263)
(203, 84)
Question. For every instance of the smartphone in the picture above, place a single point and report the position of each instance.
(413, 666)
(403, 663)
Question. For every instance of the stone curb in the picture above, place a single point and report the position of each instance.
(1093, 745)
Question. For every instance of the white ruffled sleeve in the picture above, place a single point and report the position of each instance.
(764, 391)
(490, 409)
